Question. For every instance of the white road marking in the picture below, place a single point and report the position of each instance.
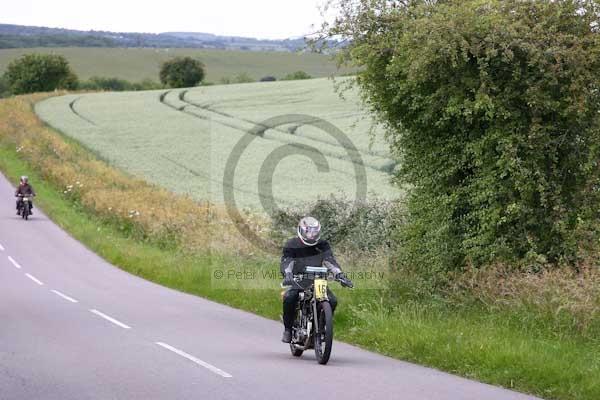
(12, 260)
(206, 365)
(33, 278)
(114, 321)
(64, 296)
(1, 248)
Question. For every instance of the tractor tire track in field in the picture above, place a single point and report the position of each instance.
(74, 111)
(385, 169)
(162, 99)
(208, 106)
(183, 109)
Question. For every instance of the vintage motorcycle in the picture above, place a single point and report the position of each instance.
(313, 325)
(25, 206)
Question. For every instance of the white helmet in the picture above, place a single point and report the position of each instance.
(309, 231)
(24, 179)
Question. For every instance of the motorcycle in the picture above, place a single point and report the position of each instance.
(313, 324)
(25, 207)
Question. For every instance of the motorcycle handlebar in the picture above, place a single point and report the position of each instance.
(299, 277)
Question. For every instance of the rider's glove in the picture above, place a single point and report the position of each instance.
(343, 280)
(288, 280)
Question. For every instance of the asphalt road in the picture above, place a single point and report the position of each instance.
(73, 326)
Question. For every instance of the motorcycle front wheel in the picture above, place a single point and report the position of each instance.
(324, 339)
(26, 211)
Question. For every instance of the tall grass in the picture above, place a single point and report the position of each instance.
(558, 302)
(143, 211)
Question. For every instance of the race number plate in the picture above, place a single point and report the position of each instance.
(321, 289)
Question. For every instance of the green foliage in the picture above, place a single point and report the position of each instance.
(493, 109)
(117, 85)
(54, 40)
(40, 73)
(181, 72)
(295, 76)
(4, 87)
(243, 77)
(101, 83)
(146, 84)
(354, 227)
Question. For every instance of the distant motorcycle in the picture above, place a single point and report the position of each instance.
(25, 206)
(313, 325)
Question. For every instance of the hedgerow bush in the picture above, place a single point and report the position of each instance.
(365, 226)
(117, 85)
(492, 109)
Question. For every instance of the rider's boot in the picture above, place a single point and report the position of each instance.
(287, 336)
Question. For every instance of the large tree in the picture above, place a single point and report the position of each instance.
(493, 111)
(40, 73)
(181, 72)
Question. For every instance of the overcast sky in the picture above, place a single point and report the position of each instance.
(273, 19)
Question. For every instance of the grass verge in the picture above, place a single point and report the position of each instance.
(470, 341)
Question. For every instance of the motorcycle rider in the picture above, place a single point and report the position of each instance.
(306, 249)
(24, 189)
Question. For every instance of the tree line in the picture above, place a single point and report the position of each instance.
(48, 72)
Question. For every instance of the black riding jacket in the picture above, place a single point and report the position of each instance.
(297, 256)
(25, 190)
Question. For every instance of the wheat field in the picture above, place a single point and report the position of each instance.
(190, 140)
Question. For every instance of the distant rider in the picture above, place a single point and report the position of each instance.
(306, 249)
(24, 189)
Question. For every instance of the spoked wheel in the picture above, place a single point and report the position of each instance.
(324, 339)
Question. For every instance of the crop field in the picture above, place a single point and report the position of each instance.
(207, 141)
(135, 64)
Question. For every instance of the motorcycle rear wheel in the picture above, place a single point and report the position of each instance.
(324, 339)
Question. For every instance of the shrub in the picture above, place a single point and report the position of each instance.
(493, 109)
(110, 84)
(117, 85)
(298, 75)
(181, 72)
(243, 78)
(4, 87)
(353, 227)
(146, 84)
(40, 73)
